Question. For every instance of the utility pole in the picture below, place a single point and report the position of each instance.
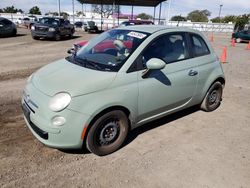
(59, 8)
(219, 15)
(73, 7)
(168, 15)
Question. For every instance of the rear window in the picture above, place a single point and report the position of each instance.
(199, 46)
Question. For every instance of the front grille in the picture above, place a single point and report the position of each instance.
(42, 29)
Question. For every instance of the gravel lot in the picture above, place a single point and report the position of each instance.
(188, 149)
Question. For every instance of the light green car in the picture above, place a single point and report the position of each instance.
(118, 81)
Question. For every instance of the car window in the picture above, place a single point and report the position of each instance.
(170, 48)
(199, 46)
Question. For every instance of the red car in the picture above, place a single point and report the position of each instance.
(107, 45)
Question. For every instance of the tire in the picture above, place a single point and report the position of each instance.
(213, 98)
(57, 37)
(14, 32)
(108, 133)
(35, 38)
(237, 40)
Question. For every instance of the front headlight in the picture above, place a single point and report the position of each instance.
(30, 77)
(51, 29)
(32, 27)
(59, 102)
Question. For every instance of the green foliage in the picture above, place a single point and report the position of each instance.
(216, 20)
(229, 18)
(199, 15)
(80, 13)
(144, 16)
(241, 21)
(1, 10)
(35, 10)
(178, 18)
(11, 9)
(105, 10)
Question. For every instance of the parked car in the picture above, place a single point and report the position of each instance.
(79, 24)
(95, 97)
(29, 21)
(90, 27)
(243, 35)
(136, 22)
(7, 27)
(54, 28)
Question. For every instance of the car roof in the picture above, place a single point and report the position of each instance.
(154, 28)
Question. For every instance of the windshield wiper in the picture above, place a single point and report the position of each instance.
(86, 63)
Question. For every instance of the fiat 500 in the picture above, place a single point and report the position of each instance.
(118, 81)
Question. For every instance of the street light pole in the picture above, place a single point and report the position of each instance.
(220, 14)
(73, 7)
(168, 15)
(59, 8)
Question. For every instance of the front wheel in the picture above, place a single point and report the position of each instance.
(108, 133)
(213, 97)
(57, 37)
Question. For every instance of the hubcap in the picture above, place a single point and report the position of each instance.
(109, 132)
(213, 97)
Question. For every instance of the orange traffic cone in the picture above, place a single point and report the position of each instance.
(212, 37)
(223, 57)
(233, 42)
(248, 46)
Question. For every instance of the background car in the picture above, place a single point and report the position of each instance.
(136, 22)
(79, 24)
(90, 27)
(7, 27)
(243, 35)
(54, 28)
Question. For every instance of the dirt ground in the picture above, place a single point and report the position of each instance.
(191, 148)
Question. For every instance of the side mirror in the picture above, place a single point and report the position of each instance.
(72, 51)
(153, 64)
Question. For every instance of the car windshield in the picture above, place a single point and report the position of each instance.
(110, 50)
(50, 21)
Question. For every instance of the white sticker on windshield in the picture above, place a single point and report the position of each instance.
(136, 35)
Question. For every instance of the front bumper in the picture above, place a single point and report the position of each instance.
(38, 118)
(48, 34)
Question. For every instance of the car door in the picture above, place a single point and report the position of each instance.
(171, 88)
(6, 27)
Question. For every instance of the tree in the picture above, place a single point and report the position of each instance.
(216, 20)
(178, 18)
(1, 10)
(241, 21)
(105, 10)
(35, 10)
(144, 16)
(80, 13)
(199, 15)
(11, 9)
(229, 18)
(65, 15)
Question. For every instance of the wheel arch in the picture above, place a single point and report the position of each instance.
(102, 112)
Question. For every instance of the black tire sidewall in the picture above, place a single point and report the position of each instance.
(217, 86)
(93, 133)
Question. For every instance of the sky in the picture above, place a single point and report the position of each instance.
(178, 7)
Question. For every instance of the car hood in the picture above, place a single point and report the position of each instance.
(63, 76)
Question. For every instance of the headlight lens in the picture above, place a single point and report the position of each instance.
(32, 27)
(30, 78)
(51, 29)
(59, 102)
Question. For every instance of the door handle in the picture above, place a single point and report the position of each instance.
(192, 73)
